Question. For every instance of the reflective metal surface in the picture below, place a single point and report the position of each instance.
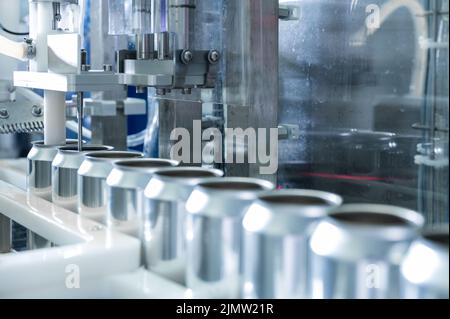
(5, 234)
(162, 224)
(125, 191)
(277, 229)
(65, 166)
(425, 269)
(39, 174)
(214, 233)
(357, 249)
(91, 183)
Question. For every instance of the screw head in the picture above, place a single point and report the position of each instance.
(4, 114)
(187, 56)
(107, 67)
(36, 110)
(213, 56)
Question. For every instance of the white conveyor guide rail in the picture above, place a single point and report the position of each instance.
(108, 261)
(84, 247)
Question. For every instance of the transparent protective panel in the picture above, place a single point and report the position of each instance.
(366, 81)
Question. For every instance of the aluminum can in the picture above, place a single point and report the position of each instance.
(425, 268)
(92, 174)
(125, 191)
(65, 167)
(214, 234)
(39, 173)
(162, 223)
(277, 228)
(357, 250)
(39, 181)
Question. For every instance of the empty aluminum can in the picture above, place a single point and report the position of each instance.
(65, 166)
(357, 250)
(125, 191)
(277, 229)
(214, 234)
(92, 176)
(162, 224)
(39, 181)
(425, 268)
(39, 174)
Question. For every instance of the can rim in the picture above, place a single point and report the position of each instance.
(375, 216)
(438, 237)
(72, 149)
(144, 164)
(40, 144)
(236, 184)
(187, 174)
(108, 156)
(300, 197)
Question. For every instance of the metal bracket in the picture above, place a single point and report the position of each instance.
(288, 132)
(21, 117)
(289, 12)
(187, 70)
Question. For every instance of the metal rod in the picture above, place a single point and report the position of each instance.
(80, 100)
(5, 234)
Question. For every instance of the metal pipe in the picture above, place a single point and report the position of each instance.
(5, 234)
(145, 46)
(80, 101)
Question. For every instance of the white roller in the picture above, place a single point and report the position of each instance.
(54, 117)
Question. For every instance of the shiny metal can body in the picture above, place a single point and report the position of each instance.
(65, 166)
(214, 234)
(125, 191)
(277, 228)
(92, 174)
(425, 269)
(357, 250)
(162, 223)
(39, 173)
(39, 181)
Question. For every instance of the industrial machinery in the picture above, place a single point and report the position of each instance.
(341, 101)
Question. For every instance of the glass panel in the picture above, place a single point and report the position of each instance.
(366, 81)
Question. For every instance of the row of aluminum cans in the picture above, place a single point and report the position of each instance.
(229, 237)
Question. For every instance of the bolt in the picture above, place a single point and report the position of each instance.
(36, 110)
(186, 91)
(4, 114)
(85, 67)
(160, 91)
(187, 56)
(213, 56)
(107, 67)
(140, 89)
